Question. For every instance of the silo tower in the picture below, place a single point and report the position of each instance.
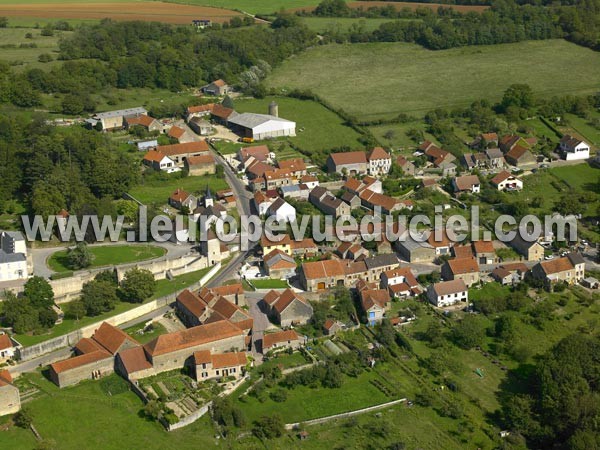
(274, 109)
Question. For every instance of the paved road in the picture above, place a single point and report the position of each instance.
(40, 361)
(261, 323)
(41, 255)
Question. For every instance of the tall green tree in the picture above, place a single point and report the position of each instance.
(137, 285)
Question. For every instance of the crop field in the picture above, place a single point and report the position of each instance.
(381, 80)
(148, 11)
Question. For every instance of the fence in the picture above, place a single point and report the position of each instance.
(291, 426)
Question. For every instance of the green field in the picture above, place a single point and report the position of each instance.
(270, 284)
(584, 128)
(251, 6)
(317, 128)
(27, 58)
(380, 80)
(108, 256)
(395, 134)
(158, 191)
(341, 24)
(580, 176)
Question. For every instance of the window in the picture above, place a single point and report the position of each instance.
(217, 372)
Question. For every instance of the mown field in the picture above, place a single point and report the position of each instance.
(317, 128)
(157, 192)
(381, 80)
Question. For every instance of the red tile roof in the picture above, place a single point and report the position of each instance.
(200, 160)
(450, 287)
(460, 266)
(111, 337)
(271, 339)
(5, 378)
(179, 195)
(191, 337)
(5, 342)
(79, 361)
(357, 157)
(483, 247)
(500, 177)
(200, 108)
(134, 359)
(378, 153)
(323, 269)
(176, 132)
(194, 304)
(154, 156)
(88, 345)
(142, 120)
(180, 149)
(466, 183)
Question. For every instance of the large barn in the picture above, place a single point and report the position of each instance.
(262, 126)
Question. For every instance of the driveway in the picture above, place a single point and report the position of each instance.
(261, 323)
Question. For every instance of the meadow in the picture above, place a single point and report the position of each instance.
(380, 80)
(16, 51)
(317, 128)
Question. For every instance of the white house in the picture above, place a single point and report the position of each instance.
(160, 161)
(380, 161)
(262, 202)
(573, 148)
(7, 348)
(282, 210)
(13, 256)
(447, 293)
(505, 181)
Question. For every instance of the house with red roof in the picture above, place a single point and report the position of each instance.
(348, 163)
(380, 161)
(10, 399)
(217, 87)
(288, 308)
(208, 366)
(159, 161)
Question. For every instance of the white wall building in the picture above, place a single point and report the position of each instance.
(262, 126)
(573, 148)
(448, 293)
(13, 256)
(282, 210)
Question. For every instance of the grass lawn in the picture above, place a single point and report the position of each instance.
(583, 127)
(158, 191)
(322, 129)
(395, 135)
(27, 58)
(285, 361)
(580, 176)
(413, 80)
(269, 284)
(86, 416)
(164, 287)
(108, 256)
(143, 337)
(305, 403)
(541, 130)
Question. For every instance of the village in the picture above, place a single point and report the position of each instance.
(261, 303)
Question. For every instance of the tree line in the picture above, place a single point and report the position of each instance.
(505, 21)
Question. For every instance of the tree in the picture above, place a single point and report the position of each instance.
(45, 58)
(3, 22)
(137, 285)
(517, 95)
(469, 332)
(72, 104)
(269, 427)
(75, 310)
(79, 257)
(39, 292)
(47, 317)
(98, 297)
(23, 418)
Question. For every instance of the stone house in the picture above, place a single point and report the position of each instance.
(288, 308)
(331, 327)
(208, 366)
(401, 283)
(380, 162)
(281, 340)
(408, 168)
(181, 198)
(7, 348)
(321, 275)
(327, 203)
(279, 264)
(348, 163)
(295, 166)
(182, 135)
(217, 87)
(415, 251)
(569, 269)
(530, 250)
(180, 152)
(200, 165)
(374, 302)
(145, 121)
(465, 269)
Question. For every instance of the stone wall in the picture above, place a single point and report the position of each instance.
(10, 402)
(68, 289)
(177, 359)
(187, 420)
(73, 376)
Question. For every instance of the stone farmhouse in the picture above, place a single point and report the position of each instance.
(466, 183)
(200, 165)
(374, 301)
(408, 168)
(348, 163)
(328, 203)
(94, 356)
(465, 269)
(114, 120)
(448, 293)
(529, 250)
(279, 264)
(180, 152)
(281, 340)
(355, 186)
(569, 269)
(288, 308)
(208, 366)
(182, 135)
(145, 121)
(217, 87)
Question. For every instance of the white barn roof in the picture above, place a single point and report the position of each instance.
(262, 123)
